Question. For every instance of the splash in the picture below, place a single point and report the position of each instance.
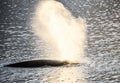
(54, 24)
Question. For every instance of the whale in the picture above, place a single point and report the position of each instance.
(38, 63)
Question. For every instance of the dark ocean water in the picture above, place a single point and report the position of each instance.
(18, 43)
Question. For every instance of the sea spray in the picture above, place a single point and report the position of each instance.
(63, 32)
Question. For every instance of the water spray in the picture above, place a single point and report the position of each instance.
(61, 30)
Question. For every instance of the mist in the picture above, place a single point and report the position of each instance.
(63, 32)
